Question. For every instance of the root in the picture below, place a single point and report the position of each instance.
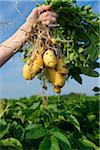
(40, 40)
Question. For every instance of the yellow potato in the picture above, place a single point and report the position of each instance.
(37, 64)
(61, 67)
(52, 74)
(27, 74)
(59, 80)
(57, 89)
(32, 66)
(56, 78)
(50, 59)
(54, 41)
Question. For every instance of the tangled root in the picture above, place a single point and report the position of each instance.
(41, 40)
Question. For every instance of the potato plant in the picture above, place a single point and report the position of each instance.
(67, 122)
(74, 39)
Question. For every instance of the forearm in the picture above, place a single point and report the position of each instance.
(14, 43)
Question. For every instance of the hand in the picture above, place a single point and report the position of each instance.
(43, 14)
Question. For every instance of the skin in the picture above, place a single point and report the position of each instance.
(9, 47)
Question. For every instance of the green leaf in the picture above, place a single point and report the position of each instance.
(78, 78)
(35, 132)
(2, 122)
(71, 119)
(72, 56)
(63, 138)
(22, 105)
(87, 143)
(35, 105)
(30, 127)
(18, 130)
(96, 89)
(52, 107)
(91, 117)
(74, 121)
(92, 51)
(90, 72)
(63, 145)
(45, 144)
(11, 142)
(83, 12)
(54, 143)
(87, 7)
(34, 115)
(4, 128)
(2, 107)
(80, 50)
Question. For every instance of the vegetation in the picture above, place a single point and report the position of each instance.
(64, 123)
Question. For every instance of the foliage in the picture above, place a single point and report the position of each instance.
(64, 123)
(96, 89)
(79, 32)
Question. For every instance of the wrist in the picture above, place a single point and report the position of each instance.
(32, 18)
(26, 27)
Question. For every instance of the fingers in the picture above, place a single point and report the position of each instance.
(43, 8)
(48, 23)
(47, 17)
(44, 16)
(38, 10)
(50, 19)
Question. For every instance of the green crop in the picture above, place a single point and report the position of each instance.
(67, 122)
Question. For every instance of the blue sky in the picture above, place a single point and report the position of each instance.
(12, 83)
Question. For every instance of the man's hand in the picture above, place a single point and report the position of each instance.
(43, 14)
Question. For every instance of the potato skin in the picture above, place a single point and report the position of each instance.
(57, 89)
(32, 67)
(27, 74)
(56, 78)
(59, 80)
(50, 59)
(37, 64)
(61, 67)
(52, 74)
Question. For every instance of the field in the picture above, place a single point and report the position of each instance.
(68, 122)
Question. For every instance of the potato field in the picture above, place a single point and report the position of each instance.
(68, 122)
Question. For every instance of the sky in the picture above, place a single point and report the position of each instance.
(12, 83)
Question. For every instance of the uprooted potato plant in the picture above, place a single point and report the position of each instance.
(67, 49)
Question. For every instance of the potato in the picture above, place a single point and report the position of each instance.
(27, 74)
(49, 59)
(33, 66)
(37, 64)
(52, 74)
(59, 80)
(61, 67)
(57, 89)
(56, 78)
